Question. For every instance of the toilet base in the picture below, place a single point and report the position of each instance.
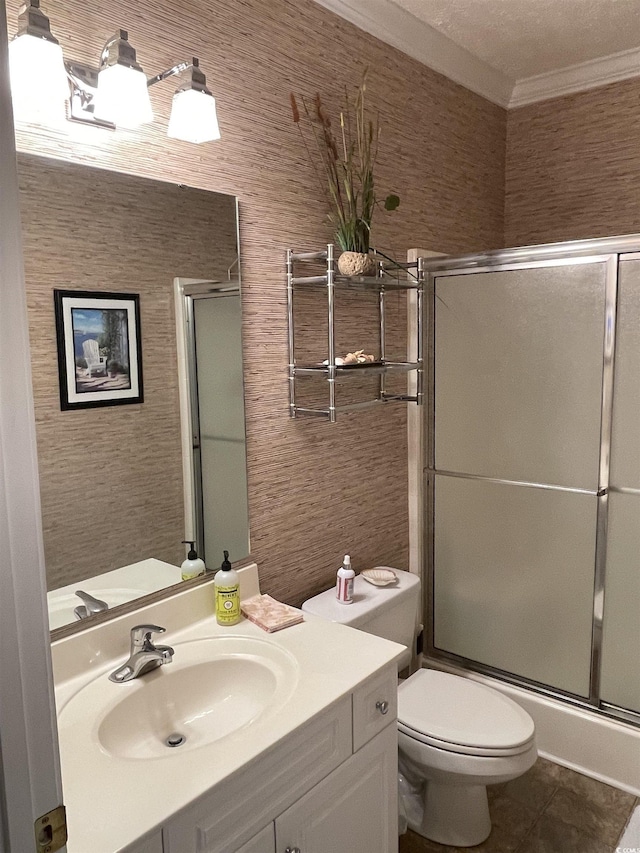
(457, 815)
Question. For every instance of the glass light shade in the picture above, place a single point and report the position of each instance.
(39, 82)
(193, 117)
(123, 97)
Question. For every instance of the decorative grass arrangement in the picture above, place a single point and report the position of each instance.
(346, 164)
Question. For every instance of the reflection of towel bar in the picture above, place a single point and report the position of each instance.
(222, 438)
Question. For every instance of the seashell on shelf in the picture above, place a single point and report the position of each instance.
(358, 357)
(351, 358)
(380, 577)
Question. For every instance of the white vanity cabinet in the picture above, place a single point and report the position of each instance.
(153, 844)
(315, 769)
(331, 785)
(354, 809)
(263, 842)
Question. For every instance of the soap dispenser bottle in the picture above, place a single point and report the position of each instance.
(344, 581)
(227, 591)
(193, 566)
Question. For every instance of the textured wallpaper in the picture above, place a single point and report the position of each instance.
(573, 166)
(316, 490)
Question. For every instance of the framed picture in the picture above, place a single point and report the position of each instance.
(99, 350)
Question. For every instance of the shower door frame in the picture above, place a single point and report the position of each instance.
(610, 251)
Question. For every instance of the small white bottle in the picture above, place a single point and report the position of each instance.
(344, 581)
(193, 566)
(227, 591)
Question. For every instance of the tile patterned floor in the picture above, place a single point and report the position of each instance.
(548, 810)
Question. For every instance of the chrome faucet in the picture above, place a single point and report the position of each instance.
(144, 655)
(90, 607)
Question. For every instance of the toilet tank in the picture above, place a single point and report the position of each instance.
(386, 611)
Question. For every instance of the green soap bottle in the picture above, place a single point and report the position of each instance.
(227, 591)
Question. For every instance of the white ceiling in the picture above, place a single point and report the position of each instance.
(512, 52)
(522, 38)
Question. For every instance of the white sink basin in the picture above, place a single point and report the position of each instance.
(212, 688)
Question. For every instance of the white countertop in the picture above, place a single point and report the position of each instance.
(110, 800)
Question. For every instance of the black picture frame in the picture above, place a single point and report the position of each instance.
(99, 348)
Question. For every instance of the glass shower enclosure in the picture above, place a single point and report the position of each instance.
(532, 467)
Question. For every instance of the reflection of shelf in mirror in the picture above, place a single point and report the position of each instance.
(375, 368)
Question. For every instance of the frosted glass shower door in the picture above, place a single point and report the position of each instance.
(620, 679)
(518, 361)
(218, 344)
(516, 467)
(513, 585)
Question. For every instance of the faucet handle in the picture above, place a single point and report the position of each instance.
(90, 606)
(141, 635)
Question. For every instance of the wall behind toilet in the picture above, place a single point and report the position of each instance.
(573, 166)
(315, 490)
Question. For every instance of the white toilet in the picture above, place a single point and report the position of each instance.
(454, 733)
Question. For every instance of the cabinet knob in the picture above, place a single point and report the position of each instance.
(292, 850)
(383, 706)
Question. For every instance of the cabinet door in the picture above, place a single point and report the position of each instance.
(152, 844)
(263, 842)
(244, 804)
(353, 810)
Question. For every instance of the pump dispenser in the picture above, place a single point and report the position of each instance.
(193, 566)
(344, 581)
(227, 591)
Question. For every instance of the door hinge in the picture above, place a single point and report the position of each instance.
(51, 831)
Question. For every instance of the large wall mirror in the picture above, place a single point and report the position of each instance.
(123, 484)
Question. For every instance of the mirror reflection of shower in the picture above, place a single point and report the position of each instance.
(209, 321)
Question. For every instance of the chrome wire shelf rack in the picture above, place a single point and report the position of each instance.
(390, 277)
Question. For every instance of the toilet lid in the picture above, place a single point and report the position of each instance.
(457, 711)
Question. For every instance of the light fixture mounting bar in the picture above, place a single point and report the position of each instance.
(83, 82)
(175, 69)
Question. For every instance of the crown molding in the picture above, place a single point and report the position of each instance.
(577, 78)
(395, 26)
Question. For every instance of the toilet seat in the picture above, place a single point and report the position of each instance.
(461, 749)
(460, 715)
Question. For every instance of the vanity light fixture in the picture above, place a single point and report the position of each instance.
(38, 76)
(193, 109)
(122, 96)
(116, 94)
